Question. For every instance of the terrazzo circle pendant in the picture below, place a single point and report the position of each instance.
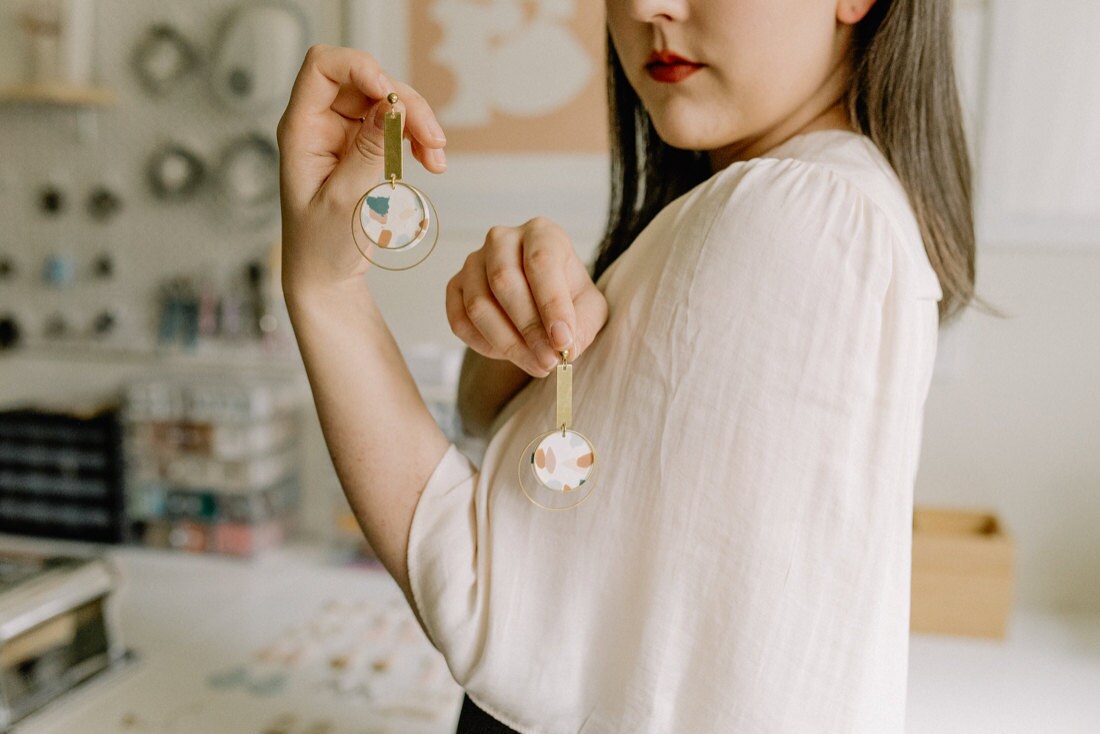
(558, 469)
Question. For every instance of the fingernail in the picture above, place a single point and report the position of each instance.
(561, 335)
(385, 82)
(548, 358)
(438, 157)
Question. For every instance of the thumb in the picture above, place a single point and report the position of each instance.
(364, 160)
(591, 311)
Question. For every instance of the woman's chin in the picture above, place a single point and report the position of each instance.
(683, 140)
(684, 132)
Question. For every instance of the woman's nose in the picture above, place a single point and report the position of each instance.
(651, 11)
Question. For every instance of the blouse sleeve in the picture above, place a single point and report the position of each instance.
(442, 548)
(798, 370)
(790, 302)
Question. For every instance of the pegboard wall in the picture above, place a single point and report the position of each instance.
(71, 267)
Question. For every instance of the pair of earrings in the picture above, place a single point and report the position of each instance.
(558, 469)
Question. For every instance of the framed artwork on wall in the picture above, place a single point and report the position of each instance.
(519, 87)
(513, 76)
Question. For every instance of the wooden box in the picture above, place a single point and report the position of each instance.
(962, 573)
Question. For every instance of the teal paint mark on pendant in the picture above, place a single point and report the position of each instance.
(379, 204)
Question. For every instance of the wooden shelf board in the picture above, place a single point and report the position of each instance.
(57, 94)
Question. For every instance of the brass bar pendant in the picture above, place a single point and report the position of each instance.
(392, 143)
(565, 392)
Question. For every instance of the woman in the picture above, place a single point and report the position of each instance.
(790, 223)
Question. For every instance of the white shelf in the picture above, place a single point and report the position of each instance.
(207, 355)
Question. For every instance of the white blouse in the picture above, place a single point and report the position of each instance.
(756, 402)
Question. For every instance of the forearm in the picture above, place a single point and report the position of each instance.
(383, 441)
(484, 387)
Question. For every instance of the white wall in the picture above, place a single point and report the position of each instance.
(149, 239)
(77, 149)
(1015, 425)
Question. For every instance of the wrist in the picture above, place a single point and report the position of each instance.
(311, 270)
(345, 295)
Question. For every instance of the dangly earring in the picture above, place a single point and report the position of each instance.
(394, 217)
(558, 469)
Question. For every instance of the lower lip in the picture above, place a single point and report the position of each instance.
(672, 73)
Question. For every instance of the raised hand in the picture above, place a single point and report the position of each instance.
(330, 144)
(524, 295)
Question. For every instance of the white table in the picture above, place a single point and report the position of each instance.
(1044, 678)
(191, 618)
(196, 621)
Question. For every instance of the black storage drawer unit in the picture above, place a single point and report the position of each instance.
(61, 475)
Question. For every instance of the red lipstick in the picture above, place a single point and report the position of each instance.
(669, 68)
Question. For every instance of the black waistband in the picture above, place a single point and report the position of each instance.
(473, 720)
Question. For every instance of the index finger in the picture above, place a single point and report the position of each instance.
(332, 77)
(325, 69)
(545, 270)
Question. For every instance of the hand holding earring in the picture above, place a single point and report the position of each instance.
(331, 141)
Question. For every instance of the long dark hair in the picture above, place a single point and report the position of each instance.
(902, 95)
